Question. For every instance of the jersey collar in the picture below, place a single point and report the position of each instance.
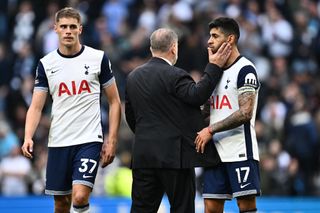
(71, 56)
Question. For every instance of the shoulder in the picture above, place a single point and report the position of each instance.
(50, 57)
(247, 74)
(246, 62)
(136, 71)
(179, 72)
(93, 52)
(243, 66)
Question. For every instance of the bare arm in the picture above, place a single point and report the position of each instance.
(109, 147)
(239, 117)
(32, 121)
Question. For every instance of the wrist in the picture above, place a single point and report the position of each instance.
(111, 141)
(210, 131)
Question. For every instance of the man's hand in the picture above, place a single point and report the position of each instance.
(204, 136)
(108, 153)
(221, 56)
(27, 148)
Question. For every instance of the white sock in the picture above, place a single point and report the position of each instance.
(81, 209)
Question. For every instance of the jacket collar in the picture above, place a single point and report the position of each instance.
(160, 60)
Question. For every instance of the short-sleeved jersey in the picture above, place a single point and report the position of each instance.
(74, 83)
(240, 143)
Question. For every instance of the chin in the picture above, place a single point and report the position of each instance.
(68, 45)
(214, 50)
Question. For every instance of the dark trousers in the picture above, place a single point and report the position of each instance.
(149, 186)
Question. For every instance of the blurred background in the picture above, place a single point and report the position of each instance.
(281, 37)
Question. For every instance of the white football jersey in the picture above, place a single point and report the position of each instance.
(74, 83)
(240, 143)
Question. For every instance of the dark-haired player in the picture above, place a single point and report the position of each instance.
(232, 118)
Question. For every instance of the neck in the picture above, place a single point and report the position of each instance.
(234, 55)
(163, 56)
(70, 50)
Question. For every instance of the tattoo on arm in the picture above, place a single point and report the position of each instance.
(239, 117)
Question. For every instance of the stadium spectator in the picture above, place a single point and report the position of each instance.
(279, 170)
(24, 25)
(301, 139)
(8, 139)
(116, 13)
(277, 33)
(46, 40)
(23, 65)
(14, 172)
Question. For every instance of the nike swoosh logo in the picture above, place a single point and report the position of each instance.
(87, 176)
(54, 71)
(242, 186)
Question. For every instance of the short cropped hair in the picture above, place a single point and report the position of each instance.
(67, 12)
(162, 39)
(227, 25)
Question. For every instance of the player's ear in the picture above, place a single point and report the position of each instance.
(231, 39)
(80, 29)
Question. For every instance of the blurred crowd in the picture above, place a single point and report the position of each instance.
(282, 38)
